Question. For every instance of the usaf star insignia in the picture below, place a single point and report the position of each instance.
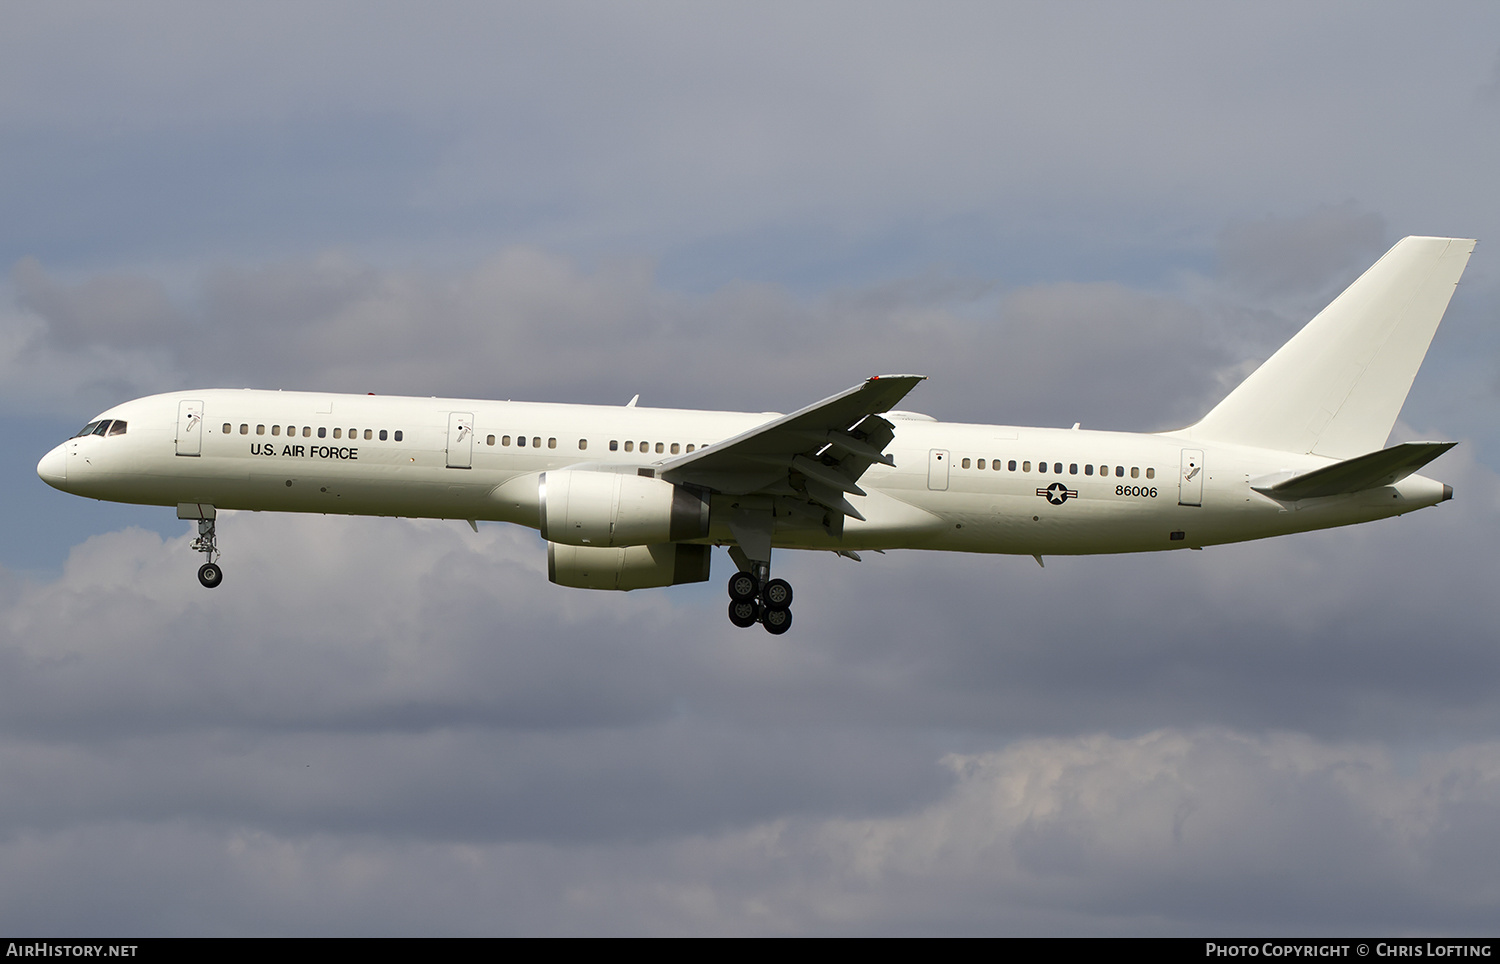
(1057, 493)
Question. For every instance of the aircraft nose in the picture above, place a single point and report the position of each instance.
(53, 468)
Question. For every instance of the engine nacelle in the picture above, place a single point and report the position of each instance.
(582, 508)
(627, 567)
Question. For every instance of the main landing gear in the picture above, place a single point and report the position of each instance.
(755, 599)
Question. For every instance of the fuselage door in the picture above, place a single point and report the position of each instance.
(1190, 484)
(937, 470)
(189, 428)
(460, 440)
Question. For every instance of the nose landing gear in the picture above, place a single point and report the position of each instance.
(210, 574)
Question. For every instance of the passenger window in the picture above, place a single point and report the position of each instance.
(676, 448)
(1088, 470)
(244, 429)
(505, 440)
(1042, 467)
(536, 442)
(645, 446)
(521, 441)
(964, 463)
(275, 429)
(583, 444)
(1150, 473)
(614, 445)
(260, 430)
(227, 429)
(1135, 472)
(979, 464)
(1057, 467)
(1025, 466)
(1119, 471)
(307, 431)
(489, 440)
(368, 433)
(336, 433)
(630, 446)
(552, 443)
(382, 435)
(323, 432)
(1073, 469)
(1012, 465)
(398, 435)
(690, 446)
(117, 428)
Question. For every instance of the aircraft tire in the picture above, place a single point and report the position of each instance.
(777, 595)
(743, 587)
(210, 575)
(744, 613)
(777, 621)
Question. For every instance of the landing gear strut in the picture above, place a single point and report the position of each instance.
(754, 598)
(210, 574)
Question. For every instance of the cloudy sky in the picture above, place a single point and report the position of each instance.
(1104, 213)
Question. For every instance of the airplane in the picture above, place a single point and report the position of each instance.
(629, 497)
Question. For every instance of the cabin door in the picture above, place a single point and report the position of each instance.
(189, 428)
(460, 440)
(1190, 484)
(937, 470)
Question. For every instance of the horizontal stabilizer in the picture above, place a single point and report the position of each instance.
(1372, 471)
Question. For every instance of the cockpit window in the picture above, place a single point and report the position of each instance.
(103, 426)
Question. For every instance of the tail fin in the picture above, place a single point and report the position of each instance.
(1336, 388)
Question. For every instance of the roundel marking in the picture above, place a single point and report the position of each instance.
(1057, 493)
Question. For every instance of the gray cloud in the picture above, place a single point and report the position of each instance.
(1291, 256)
(378, 726)
(516, 327)
(923, 754)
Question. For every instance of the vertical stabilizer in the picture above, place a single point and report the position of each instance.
(1336, 388)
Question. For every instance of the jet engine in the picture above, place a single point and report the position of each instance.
(627, 567)
(599, 509)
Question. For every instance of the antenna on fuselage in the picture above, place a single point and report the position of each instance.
(633, 399)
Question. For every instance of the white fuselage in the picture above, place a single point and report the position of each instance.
(961, 487)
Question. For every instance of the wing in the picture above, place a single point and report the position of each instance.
(814, 455)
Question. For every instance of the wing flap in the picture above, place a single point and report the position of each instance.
(1371, 471)
(816, 454)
